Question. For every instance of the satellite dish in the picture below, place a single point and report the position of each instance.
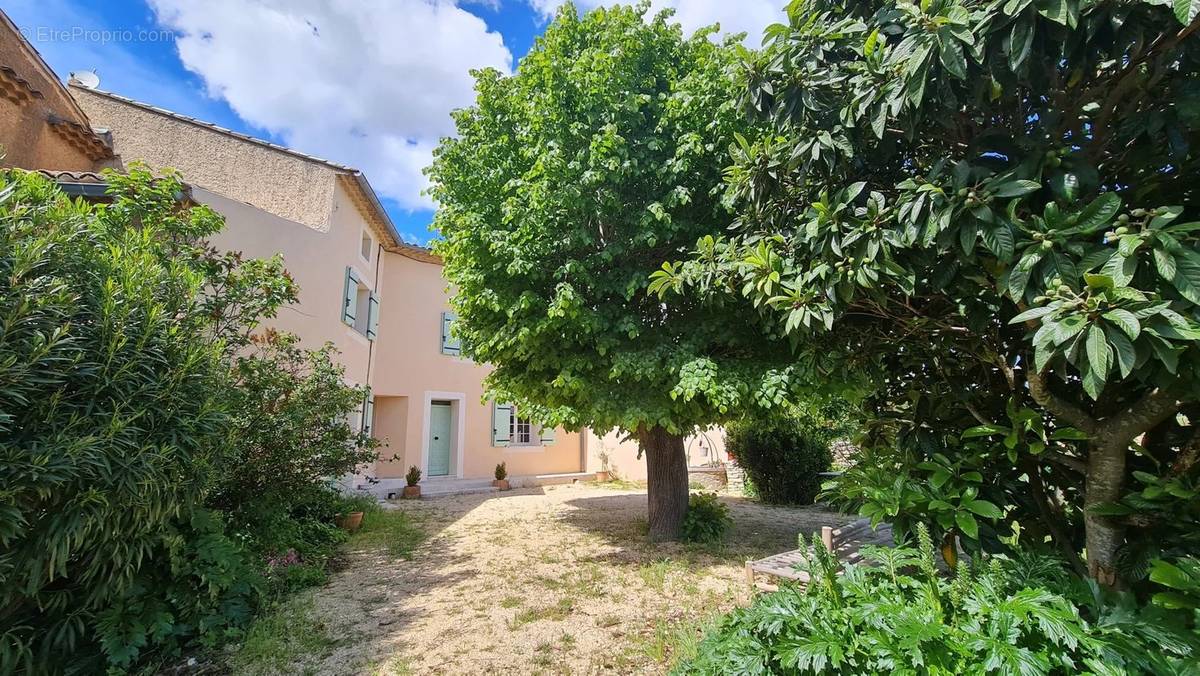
(85, 78)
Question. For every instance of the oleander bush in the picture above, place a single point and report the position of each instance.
(129, 400)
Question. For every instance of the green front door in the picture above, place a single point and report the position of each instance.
(439, 439)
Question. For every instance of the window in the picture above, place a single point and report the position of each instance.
(510, 429)
(519, 431)
(367, 245)
(450, 344)
(360, 305)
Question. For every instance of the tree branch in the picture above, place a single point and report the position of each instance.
(1039, 389)
(1140, 416)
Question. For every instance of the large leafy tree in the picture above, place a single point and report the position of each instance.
(568, 184)
(988, 208)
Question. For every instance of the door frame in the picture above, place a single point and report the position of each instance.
(458, 426)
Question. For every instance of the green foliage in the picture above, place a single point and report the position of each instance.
(159, 474)
(501, 472)
(1182, 580)
(413, 477)
(566, 185)
(900, 616)
(981, 213)
(291, 410)
(707, 518)
(782, 456)
(112, 383)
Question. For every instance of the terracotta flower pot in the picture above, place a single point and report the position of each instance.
(502, 484)
(350, 522)
(411, 492)
(601, 476)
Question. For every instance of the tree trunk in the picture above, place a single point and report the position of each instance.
(667, 481)
(1104, 536)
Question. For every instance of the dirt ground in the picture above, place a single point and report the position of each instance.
(550, 580)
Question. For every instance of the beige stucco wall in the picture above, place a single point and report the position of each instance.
(620, 456)
(290, 187)
(26, 138)
(317, 262)
(411, 372)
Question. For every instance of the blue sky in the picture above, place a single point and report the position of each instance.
(369, 84)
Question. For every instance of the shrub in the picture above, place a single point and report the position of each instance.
(782, 457)
(414, 476)
(114, 398)
(292, 409)
(501, 472)
(900, 616)
(707, 519)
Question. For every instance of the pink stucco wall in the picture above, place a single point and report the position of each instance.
(411, 371)
(619, 456)
(316, 260)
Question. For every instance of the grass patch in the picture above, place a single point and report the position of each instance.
(510, 601)
(622, 485)
(394, 531)
(656, 574)
(284, 634)
(671, 643)
(558, 611)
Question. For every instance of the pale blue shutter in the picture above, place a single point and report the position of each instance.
(547, 436)
(350, 297)
(450, 344)
(372, 316)
(368, 415)
(501, 424)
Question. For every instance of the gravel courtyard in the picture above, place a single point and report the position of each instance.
(550, 580)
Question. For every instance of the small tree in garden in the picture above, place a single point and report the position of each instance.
(987, 209)
(568, 184)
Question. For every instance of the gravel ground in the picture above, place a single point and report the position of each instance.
(550, 580)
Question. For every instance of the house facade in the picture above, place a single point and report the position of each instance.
(381, 302)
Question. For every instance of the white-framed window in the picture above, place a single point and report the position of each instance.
(509, 428)
(520, 430)
(360, 305)
(368, 245)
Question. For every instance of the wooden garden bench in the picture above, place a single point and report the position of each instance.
(844, 542)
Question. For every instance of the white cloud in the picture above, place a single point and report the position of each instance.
(369, 83)
(735, 16)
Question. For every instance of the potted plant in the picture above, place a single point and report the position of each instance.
(412, 490)
(349, 521)
(501, 481)
(604, 474)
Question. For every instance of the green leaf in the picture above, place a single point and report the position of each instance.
(1033, 313)
(967, 524)
(1016, 188)
(1164, 262)
(1186, 10)
(1099, 213)
(999, 240)
(984, 431)
(1126, 320)
(1170, 575)
(1069, 434)
(1126, 354)
(952, 58)
(1187, 276)
(1120, 268)
(985, 509)
(1020, 41)
(1098, 352)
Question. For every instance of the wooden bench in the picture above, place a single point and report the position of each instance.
(844, 542)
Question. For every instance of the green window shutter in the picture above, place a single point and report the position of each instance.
(369, 415)
(372, 316)
(350, 297)
(450, 344)
(547, 436)
(501, 424)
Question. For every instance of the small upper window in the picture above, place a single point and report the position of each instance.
(367, 245)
